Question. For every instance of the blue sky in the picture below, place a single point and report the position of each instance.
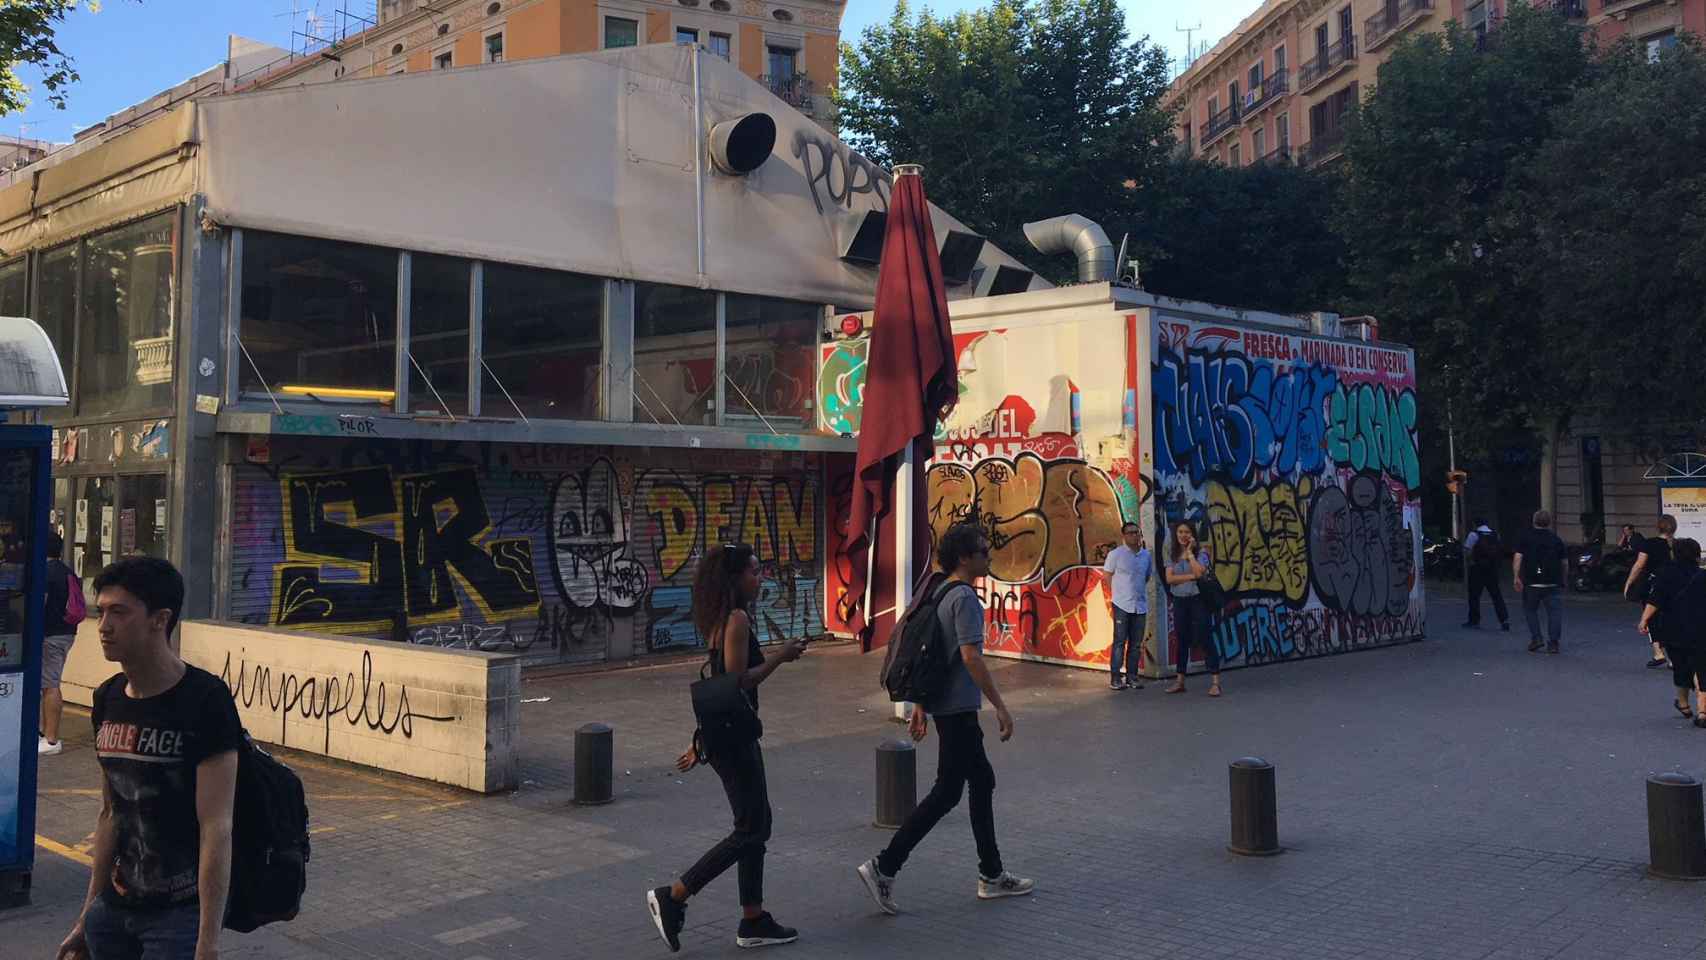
(132, 50)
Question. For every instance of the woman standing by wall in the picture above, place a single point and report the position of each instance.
(1188, 562)
(726, 583)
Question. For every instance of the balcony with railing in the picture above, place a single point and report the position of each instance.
(1327, 64)
(1394, 17)
(1622, 8)
(1322, 147)
(1273, 87)
(795, 89)
(1279, 154)
(1219, 123)
(1572, 9)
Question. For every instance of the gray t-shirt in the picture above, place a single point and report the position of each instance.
(961, 614)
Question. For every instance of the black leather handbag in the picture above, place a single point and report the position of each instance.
(727, 721)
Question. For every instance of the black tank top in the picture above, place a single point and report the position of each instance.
(754, 657)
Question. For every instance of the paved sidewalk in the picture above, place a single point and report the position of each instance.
(1455, 798)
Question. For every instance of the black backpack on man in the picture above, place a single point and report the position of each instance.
(917, 663)
(269, 842)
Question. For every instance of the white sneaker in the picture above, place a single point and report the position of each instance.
(49, 748)
(1005, 885)
(880, 887)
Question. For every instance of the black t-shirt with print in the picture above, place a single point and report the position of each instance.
(149, 750)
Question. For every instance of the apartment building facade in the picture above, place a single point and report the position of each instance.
(1281, 86)
(791, 47)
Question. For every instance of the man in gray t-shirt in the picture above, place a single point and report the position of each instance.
(963, 554)
(961, 615)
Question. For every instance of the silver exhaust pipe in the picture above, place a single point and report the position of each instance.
(1080, 235)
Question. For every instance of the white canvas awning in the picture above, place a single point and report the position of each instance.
(584, 163)
(30, 375)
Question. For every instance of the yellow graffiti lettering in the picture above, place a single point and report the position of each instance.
(796, 521)
(719, 497)
(1042, 518)
(677, 516)
(755, 525)
(1259, 540)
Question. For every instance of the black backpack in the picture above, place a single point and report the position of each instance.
(1485, 553)
(917, 663)
(269, 842)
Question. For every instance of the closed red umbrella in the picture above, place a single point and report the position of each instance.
(910, 381)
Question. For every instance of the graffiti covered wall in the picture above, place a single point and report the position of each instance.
(559, 553)
(1297, 458)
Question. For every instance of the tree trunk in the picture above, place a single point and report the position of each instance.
(1552, 432)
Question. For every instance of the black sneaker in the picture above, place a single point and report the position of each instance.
(764, 932)
(668, 916)
(1657, 663)
(1116, 684)
(1134, 684)
(1534, 646)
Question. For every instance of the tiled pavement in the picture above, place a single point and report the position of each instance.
(1457, 798)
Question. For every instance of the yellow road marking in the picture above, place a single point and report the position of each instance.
(69, 853)
(319, 830)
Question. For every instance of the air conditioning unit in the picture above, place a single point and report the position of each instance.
(1249, 99)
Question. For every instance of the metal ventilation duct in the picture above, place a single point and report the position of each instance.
(1081, 236)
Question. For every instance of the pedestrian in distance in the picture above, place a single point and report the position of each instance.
(1630, 538)
(1537, 572)
(726, 585)
(1651, 555)
(1675, 615)
(63, 612)
(1125, 577)
(1484, 549)
(1187, 565)
(167, 737)
(963, 554)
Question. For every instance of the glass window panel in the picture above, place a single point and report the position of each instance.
(438, 334)
(124, 320)
(720, 44)
(142, 512)
(318, 313)
(93, 522)
(12, 288)
(675, 354)
(782, 62)
(772, 359)
(686, 36)
(621, 32)
(542, 342)
(56, 299)
(495, 48)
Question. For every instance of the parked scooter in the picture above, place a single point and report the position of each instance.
(1442, 559)
(1593, 569)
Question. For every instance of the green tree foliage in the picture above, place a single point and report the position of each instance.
(1429, 165)
(1025, 110)
(1611, 212)
(27, 37)
(1254, 236)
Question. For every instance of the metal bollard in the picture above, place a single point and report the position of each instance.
(1255, 825)
(897, 783)
(1676, 827)
(595, 761)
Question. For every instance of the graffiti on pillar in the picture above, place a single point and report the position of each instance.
(559, 553)
(1297, 458)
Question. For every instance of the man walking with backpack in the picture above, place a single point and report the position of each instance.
(167, 735)
(1538, 572)
(963, 554)
(64, 611)
(1483, 546)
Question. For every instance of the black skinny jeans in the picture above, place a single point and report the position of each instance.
(961, 760)
(742, 774)
(1191, 625)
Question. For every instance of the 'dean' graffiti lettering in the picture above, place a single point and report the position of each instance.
(556, 553)
(1297, 457)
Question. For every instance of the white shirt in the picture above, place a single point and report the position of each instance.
(1131, 571)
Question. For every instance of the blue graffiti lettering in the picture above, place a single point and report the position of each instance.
(1220, 414)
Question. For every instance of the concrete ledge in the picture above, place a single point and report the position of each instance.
(447, 715)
